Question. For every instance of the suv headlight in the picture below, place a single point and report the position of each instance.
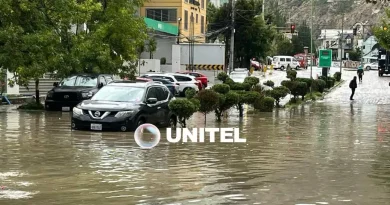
(123, 114)
(77, 111)
(86, 94)
(49, 94)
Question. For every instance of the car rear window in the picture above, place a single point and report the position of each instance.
(182, 78)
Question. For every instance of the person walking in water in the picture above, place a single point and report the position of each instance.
(353, 86)
(360, 73)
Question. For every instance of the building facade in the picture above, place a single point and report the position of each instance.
(188, 15)
(330, 39)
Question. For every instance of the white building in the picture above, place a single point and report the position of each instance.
(330, 40)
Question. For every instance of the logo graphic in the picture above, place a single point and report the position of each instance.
(147, 136)
(97, 114)
(66, 96)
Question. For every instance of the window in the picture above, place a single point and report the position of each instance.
(120, 94)
(86, 81)
(152, 93)
(196, 18)
(102, 80)
(182, 78)
(202, 4)
(202, 24)
(165, 15)
(288, 59)
(195, 75)
(185, 20)
(161, 95)
(109, 79)
(282, 60)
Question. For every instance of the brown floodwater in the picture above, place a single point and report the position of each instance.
(314, 154)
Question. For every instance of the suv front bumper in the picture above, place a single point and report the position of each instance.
(58, 105)
(84, 122)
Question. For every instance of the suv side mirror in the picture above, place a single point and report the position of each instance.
(100, 85)
(55, 84)
(152, 101)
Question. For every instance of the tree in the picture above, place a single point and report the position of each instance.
(226, 101)
(284, 46)
(253, 37)
(69, 37)
(278, 93)
(208, 101)
(183, 109)
(152, 46)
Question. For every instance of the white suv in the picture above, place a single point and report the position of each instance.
(184, 82)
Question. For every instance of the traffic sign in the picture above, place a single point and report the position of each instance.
(325, 58)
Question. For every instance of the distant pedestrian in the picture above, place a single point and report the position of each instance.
(360, 73)
(353, 86)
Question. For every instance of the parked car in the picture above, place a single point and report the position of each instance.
(143, 80)
(282, 62)
(74, 89)
(172, 87)
(198, 76)
(371, 66)
(125, 105)
(238, 76)
(165, 77)
(184, 82)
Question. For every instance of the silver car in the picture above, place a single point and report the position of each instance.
(371, 66)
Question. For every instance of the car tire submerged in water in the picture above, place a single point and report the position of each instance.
(282, 68)
(140, 120)
(368, 68)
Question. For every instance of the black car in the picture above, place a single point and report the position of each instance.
(71, 91)
(125, 105)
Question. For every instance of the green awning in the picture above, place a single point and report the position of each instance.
(161, 26)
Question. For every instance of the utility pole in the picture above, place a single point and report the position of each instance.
(232, 38)
(341, 43)
(311, 41)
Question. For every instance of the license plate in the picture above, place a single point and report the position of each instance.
(96, 126)
(66, 109)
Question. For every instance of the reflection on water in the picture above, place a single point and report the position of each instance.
(307, 155)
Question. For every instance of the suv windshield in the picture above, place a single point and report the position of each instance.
(119, 94)
(87, 81)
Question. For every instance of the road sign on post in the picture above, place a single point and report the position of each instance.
(325, 58)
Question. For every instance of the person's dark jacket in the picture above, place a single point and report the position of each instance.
(360, 71)
(353, 84)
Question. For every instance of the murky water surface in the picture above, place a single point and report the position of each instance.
(319, 154)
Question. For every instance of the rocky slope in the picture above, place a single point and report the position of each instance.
(329, 15)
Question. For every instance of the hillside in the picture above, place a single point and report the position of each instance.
(328, 15)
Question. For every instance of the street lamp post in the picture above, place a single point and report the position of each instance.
(311, 42)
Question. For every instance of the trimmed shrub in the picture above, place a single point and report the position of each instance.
(319, 85)
(302, 89)
(221, 88)
(226, 102)
(337, 76)
(229, 81)
(308, 81)
(240, 86)
(222, 76)
(265, 104)
(292, 74)
(163, 61)
(208, 101)
(252, 81)
(269, 83)
(190, 93)
(183, 109)
(278, 93)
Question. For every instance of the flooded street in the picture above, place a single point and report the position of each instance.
(314, 154)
